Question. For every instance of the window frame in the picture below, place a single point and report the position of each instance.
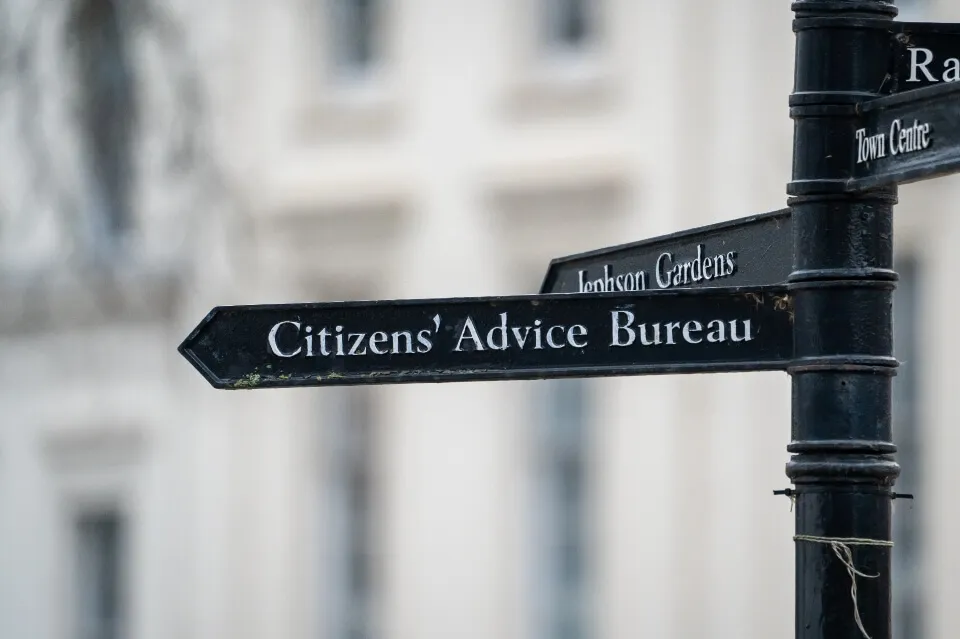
(342, 451)
(348, 105)
(555, 601)
(551, 41)
(908, 533)
(92, 468)
(334, 37)
(81, 619)
(111, 223)
(543, 80)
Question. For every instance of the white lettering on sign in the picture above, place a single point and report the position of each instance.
(899, 140)
(910, 139)
(272, 340)
(289, 338)
(504, 336)
(870, 147)
(625, 331)
(636, 281)
(672, 272)
(341, 343)
(920, 61)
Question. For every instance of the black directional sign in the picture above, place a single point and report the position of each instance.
(906, 137)
(525, 337)
(925, 53)
(751, 251)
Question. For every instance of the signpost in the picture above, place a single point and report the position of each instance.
(528, 337)
(842, 464)
(812, 296)
(751, 251)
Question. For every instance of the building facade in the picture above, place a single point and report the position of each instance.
(161, 158)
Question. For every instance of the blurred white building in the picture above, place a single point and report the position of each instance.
(160, 158)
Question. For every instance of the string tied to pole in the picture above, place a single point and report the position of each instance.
(841, 548)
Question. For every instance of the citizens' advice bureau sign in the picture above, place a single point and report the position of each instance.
(522, 337)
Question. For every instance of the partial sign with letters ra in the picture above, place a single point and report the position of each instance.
(927, 53)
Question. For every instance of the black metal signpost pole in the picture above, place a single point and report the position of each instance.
(842, 284)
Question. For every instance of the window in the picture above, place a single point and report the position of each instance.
(560, 536)
(907, 566)
(107, 111)
(352, 558)
(353, 36)
(100, 561)
(567, 24)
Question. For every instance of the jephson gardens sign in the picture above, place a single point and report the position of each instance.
(806, 290)
(751, 251)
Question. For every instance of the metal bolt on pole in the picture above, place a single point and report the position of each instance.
(842, 464)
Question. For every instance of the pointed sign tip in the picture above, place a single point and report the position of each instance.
(185, 348)
(192, 336)
(205, 372)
